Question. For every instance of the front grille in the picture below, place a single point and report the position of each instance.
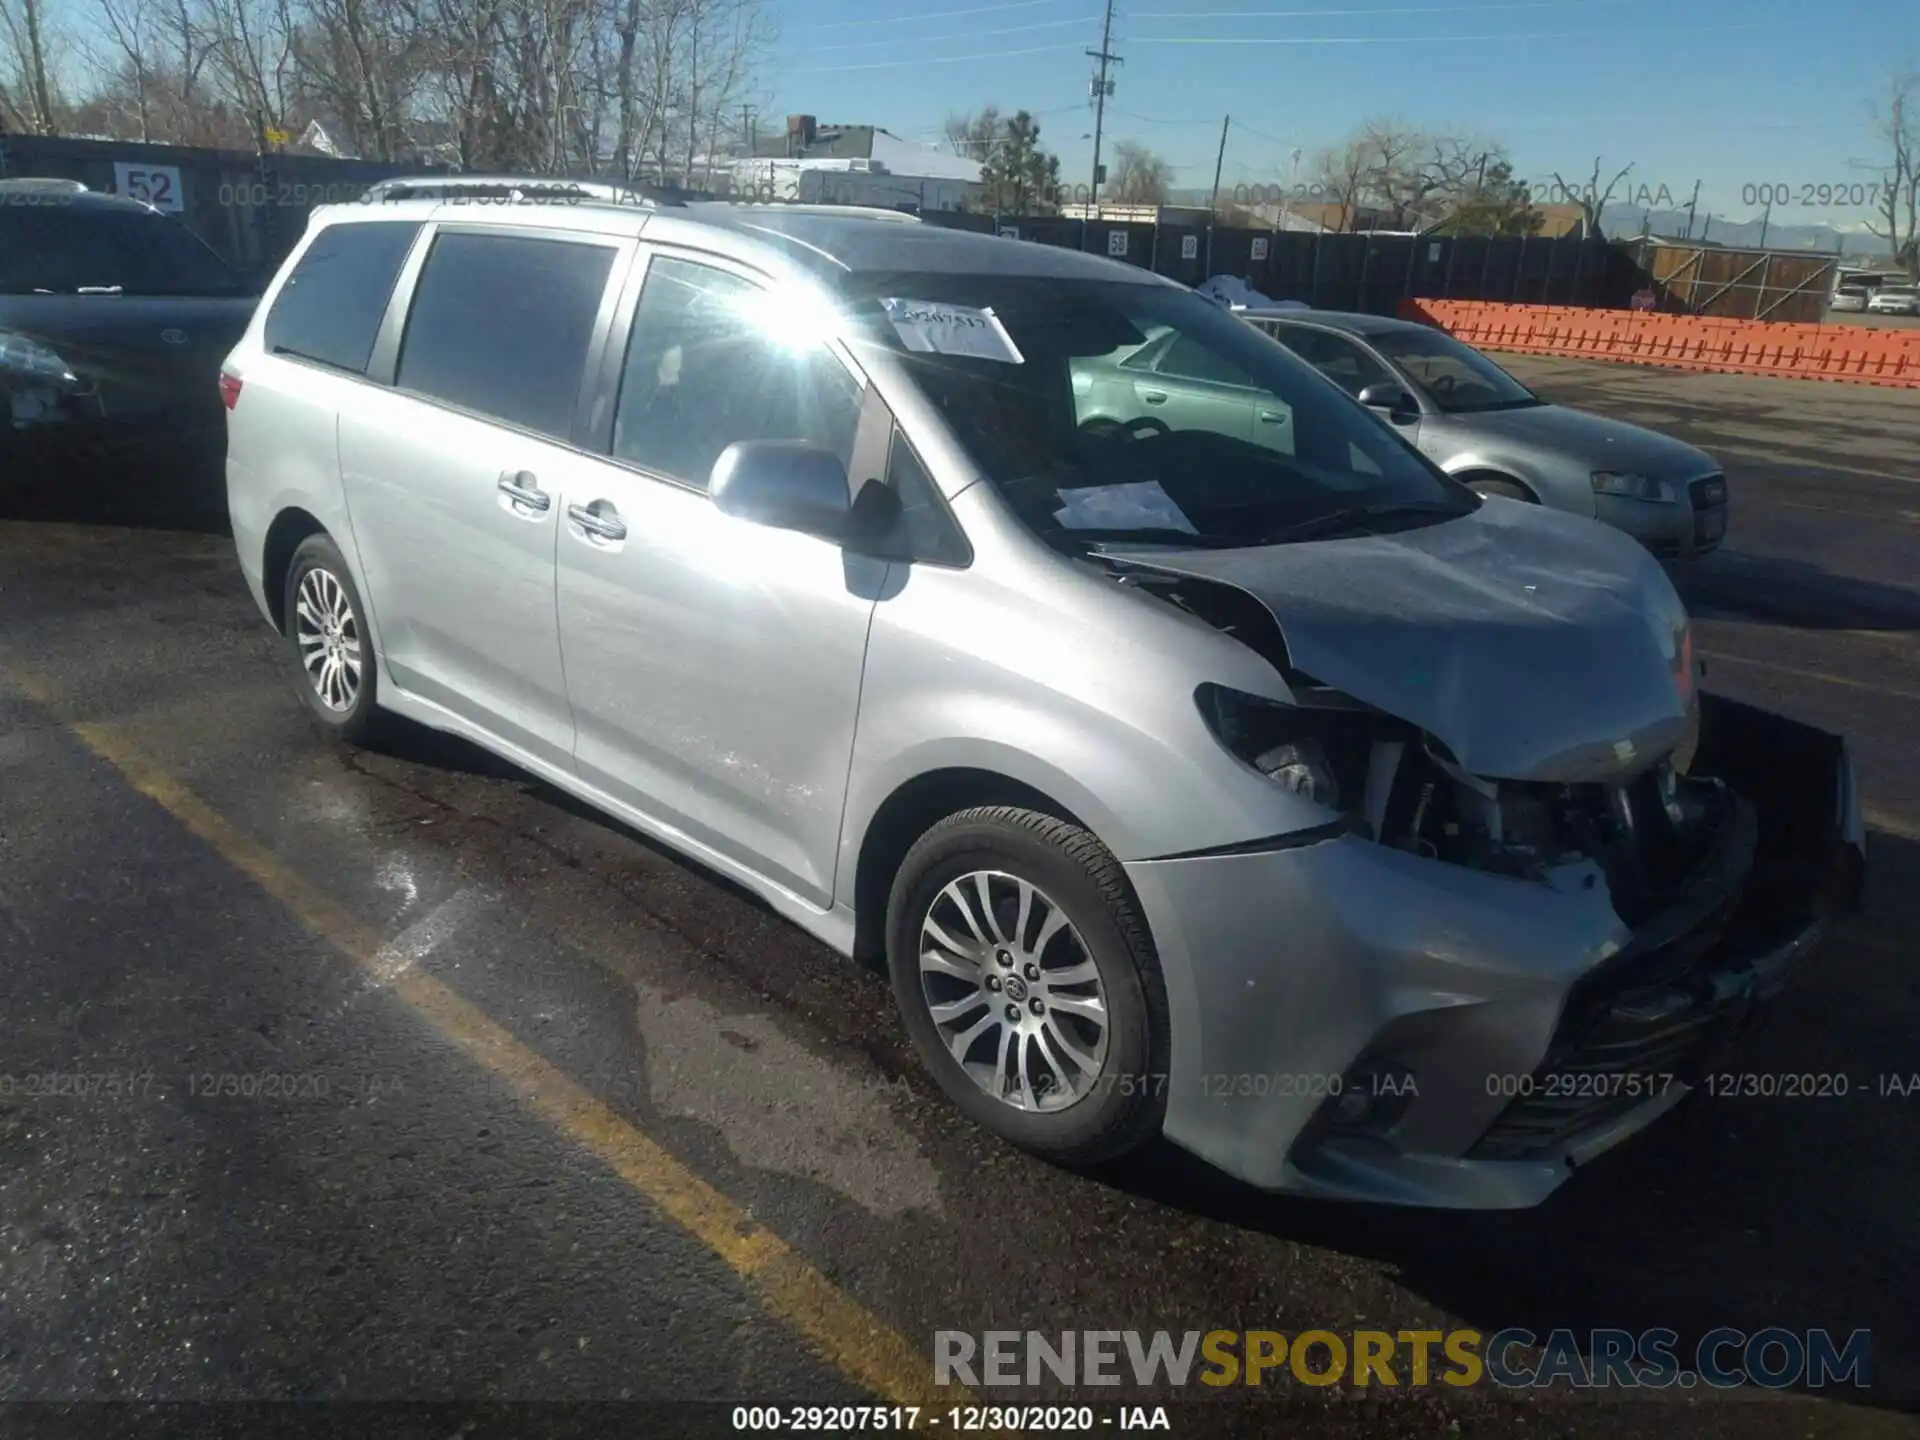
(1707, 492)
(1657, 1009)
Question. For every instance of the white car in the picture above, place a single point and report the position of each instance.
(1895, 300)
(1848, 299)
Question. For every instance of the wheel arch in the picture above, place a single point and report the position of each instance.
(908, 812)
(290, 527)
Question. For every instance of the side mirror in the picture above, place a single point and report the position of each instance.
(1392, 398)
(785, 484)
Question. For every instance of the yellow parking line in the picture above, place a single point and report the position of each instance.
(843, 1331)
(1822, 675)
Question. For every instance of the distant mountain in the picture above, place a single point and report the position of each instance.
(1623, 222)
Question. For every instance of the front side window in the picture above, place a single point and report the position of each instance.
(331, 307)
(84, 249)
(500, 325)
(1334, 356)
(1038, 379)
(1457, 378)
(714, 359)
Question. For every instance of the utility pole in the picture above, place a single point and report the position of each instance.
(1101, 88)
(1219, 162)
(749, 131)
(1690, 204)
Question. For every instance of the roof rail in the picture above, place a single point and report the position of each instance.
(794, 207)
(47, 183)
(550, 189)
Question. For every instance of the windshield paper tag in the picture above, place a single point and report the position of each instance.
(1140, 505)
(934, 329)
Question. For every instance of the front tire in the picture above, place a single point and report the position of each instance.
(1026, 976)
(1508, 489)
(327, 640)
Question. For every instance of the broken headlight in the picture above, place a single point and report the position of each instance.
(1326, 750)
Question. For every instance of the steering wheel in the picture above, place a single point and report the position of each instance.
(1443, 384)
(1138, 428)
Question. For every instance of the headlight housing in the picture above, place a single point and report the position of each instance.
(1632, 485)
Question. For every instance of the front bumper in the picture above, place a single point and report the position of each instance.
(1536, 1028)
(1682, 529)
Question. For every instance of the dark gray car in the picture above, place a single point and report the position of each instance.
(1486, 429)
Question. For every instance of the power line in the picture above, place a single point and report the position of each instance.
(928, 60)
(1151, 120)
(934, 15)
(951, 35)
(1368, 10)
(1435, 39)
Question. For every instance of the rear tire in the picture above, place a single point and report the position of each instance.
(1067, 1013)
(328, 644)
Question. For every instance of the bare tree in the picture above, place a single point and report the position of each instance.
(976, 134)
(1139, 176)
(1340, 172)
(27, 99)
(1591, 198)
(1896, 219)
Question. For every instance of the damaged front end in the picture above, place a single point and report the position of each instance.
(1538, 722)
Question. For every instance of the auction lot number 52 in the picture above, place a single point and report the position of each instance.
(158, 185)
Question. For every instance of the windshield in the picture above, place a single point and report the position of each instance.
(1115, 412)
(68, 250)
(1457, 378)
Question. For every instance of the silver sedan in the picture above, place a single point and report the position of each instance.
(1486, 429)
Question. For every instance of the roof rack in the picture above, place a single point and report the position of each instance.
(46, 183)
(531, 189)
(796, 207)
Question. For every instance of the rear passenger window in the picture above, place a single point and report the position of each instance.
(332, 304)
(500, 325)
(714, 359)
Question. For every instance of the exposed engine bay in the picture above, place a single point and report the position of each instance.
(1648, 828)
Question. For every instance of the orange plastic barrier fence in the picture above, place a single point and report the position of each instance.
(1691, 342)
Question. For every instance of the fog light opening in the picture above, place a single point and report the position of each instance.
(1373, 1096)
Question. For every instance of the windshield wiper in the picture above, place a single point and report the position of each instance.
(1358, 517)
(1119, 538)
(99, 289)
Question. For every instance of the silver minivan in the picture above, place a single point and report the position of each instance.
(1364, 835)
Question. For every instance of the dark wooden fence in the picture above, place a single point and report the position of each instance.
(250, 208)
(1370, 273)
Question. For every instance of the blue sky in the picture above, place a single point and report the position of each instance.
(1732, 93)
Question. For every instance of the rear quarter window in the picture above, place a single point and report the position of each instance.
(332, 304)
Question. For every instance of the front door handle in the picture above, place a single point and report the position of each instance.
(1154, 397)
(523, 486)
(1273, 417)
(602, 524)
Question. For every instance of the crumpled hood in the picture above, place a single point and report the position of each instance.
(1534, 645)
(1595, 440)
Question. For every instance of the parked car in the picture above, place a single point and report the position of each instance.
(1848, 298)
(1496, 436)
(114, 319)
(1364, 836)
(1895, 300)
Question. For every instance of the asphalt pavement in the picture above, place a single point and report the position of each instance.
(355, 1076)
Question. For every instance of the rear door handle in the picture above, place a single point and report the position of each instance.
(603, 524)
(523, 486)
(1273, 417)
(1154, 397)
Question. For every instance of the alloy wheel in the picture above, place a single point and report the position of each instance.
(327, 633)
(1013, 991)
